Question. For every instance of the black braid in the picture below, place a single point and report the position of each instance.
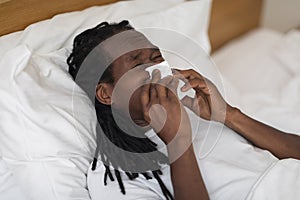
(84, 43)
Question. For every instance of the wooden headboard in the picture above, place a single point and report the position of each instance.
(229, 18)
(232, 18)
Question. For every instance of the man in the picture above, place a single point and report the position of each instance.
(122, 54)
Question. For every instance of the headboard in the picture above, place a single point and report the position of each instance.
(229, 18)
(232, 18)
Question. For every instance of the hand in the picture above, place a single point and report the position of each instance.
(169, 122)
(163, 110)
(208, 102)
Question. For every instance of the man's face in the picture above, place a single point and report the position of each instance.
(129, 76)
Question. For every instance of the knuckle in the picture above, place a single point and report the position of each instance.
(146, 113)
(164, 101)
(192, 71)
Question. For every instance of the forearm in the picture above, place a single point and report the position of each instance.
(280, 144)
(186, 178)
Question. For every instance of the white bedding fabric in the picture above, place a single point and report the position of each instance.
(257, 82)
(46, 150)
(45, 145)
(262, 74)
(234, 169)
(9, 189)
(230, 168)
(280, 181)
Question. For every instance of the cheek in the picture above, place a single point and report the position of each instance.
(127, 89)
(126, 96)
(132, 79)
(135, 105)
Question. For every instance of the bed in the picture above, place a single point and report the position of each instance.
(46, 149)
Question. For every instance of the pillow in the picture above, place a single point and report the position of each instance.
(190, 18)
(50, 35)
(249, 64)
(45, 144)
(287, 51)
(260, 67)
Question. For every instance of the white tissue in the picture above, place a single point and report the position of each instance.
(163, 67)
(165, 70)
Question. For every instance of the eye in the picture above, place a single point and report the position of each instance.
(156, 55)
(137, 65)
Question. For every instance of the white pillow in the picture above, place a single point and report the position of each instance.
(39, 131)
(287, 51)
(249, 64)
(259, 66)
(50, 35)
(190, 18)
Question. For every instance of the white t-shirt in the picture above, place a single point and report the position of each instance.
(139, 188)
(230, 167)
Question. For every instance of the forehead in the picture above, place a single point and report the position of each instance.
(123, 43)
(121, 48)
(139, 53)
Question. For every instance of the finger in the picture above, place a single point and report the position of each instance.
(176, 73)
(197, 83)
(189, 73)
(204, 100)
(153, 93)
(161, 87)
(188, 102)
(145, 97)
(156, 76)
(173, 85)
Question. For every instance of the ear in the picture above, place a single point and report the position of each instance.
(104, 93)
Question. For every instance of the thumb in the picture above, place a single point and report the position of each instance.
(187, 101)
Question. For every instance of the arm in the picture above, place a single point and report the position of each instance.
(282, 145)
(213, 107)
(186, 177)
(173, 127)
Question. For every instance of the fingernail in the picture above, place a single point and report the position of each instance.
(155, 71)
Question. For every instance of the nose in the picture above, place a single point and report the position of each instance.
(163, 67)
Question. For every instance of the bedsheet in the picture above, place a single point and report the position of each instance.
(9, 189)
(258, 82)
(262, 74)
(264, 89)
(45, 145)
(281, 181)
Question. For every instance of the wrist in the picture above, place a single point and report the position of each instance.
(179, 148)
(231, 114)
(181, 136)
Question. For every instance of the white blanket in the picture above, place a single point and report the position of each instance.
(281, 181)
(225, 169)
(9, 189)
(258, 68)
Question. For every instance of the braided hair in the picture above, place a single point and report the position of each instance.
(145, 151)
